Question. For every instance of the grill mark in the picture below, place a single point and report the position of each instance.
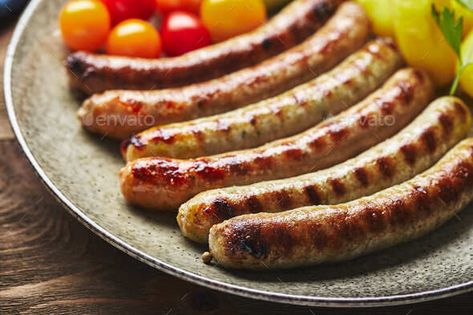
(374, 220)
(446, 122)
(239, 169)
(254, 205)
(385, 166)
(294, 154)
(337, 186)
(283, 199)
(387, 108)
(318, 236)
(210, 173)
(460, 108)
(222, 209)
(407, 92)
(313, 194)
(247, 239)
(338, 133)
(428, 139)
(409, 151)
(362, 176)
(318, 143)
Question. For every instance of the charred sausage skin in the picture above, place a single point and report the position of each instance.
(97, 73)
(318, 234)
(164, 184)
(129, 112)
(279, 117)
(417, 147)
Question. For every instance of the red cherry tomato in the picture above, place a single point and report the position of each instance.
(168, 6)
(121, 10)
(134, 38)
(183, 32)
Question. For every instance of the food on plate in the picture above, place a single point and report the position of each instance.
(93, 73)
(228, 18)
(121, 10)
(417, 147)
(317, 234)
(274, 118)
(164, 183)
(133, 111)
(183, 32)
(84, 24)
(167, 6)
(134, 38)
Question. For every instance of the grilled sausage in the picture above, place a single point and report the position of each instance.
(317, 234)
(282, 116)
(128, 112)
(417, 147)
(164, 183)
(97, 73)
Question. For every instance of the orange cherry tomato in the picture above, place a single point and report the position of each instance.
(227, 18)
(167, 6)
(134, 38)
(85, 24)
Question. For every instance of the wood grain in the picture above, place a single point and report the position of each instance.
(51, 264)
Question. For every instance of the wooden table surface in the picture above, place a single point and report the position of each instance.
(51, 264)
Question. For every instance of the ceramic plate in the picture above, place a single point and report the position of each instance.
(81, 170)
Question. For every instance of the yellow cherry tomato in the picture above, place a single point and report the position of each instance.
(381, 15)
(227, 18)
(421, 41)
(467, 53)
(85, 24)
(134, 38)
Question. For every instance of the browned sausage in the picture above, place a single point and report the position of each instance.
(98, 73)
(164, 183)
(417, 147)
(275, 118)
(313, 235)
(119, 114)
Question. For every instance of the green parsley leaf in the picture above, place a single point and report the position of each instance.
(451, 28)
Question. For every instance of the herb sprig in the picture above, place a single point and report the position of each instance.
(452, 30)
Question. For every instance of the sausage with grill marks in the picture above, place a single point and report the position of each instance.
(129, 112)
(97, 73)
(318, 234)
(417, 147)
(279, 117)
(164, 184)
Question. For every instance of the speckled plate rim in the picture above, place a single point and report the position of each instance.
(167, 268)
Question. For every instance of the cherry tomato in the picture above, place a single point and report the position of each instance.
(183, 32)
(228, 18)
(85, 24)
(134, 38)
(168, 6)
(122, 10)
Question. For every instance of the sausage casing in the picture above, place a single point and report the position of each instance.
(276, 118)
(97, 73)
(164, 183)
(118, 114)
(317, 234)
(417, 147)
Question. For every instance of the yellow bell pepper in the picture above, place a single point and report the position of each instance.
(421, 41)
(466, 81)
(381, 16)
